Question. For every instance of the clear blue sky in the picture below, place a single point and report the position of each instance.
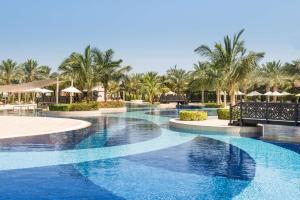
(149, 34)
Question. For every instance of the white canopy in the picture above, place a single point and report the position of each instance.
(254, 93)
(269, 93)
(38, 90)
(71, 89)
(239, 93)
(285, 93)
(46, 90)
(276, 93)
(297, 95)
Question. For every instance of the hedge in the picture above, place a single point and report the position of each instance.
(84, 106)
(213, 105)
(59, 107)
(111, 104)
(223, 113)
(185, 115)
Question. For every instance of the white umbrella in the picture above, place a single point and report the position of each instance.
(254, 93)
(268, 93)
(43, 90)
(34, 90)
(297, 95)
(285, 93)
(239, 93)
(71, 90)
(276, 94)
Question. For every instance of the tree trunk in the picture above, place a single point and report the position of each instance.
(232, 97)
(218, 96)
(202, 96)
(105, 93)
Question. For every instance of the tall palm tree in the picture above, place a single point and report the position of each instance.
(177, 80)
(151, 85)
(108, 69)
(201, 79)
(32, 71)
(8, 71)
(80, 68)
(231, 58)
(273, 75)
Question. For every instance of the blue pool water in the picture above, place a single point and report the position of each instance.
(136, 156)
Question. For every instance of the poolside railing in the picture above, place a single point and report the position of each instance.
(265, 112)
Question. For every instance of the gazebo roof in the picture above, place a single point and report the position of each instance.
(22, 87)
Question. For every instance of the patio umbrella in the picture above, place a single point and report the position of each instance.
(43, 90)
(285, 93)
(268, 93)
(297, 95)
(276, 94)
(34, 90)
(71, 90)
(239, 93)
(254, 93)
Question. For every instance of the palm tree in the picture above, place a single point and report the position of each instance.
(293, 69)
(134, 84)
(80, 68)
(273, 75)
(200, 79)
(108, 69)
(151, 85)
(232, 59)
(32, 71)
(8, 71)
(177, 80)
(113, 88)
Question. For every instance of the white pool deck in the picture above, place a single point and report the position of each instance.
(213, 124)
(15, 126)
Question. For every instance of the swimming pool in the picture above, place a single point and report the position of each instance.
(136, 156)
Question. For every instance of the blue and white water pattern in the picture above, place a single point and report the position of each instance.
(135, 155)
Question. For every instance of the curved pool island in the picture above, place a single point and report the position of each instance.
(14, 126)
(215, 125)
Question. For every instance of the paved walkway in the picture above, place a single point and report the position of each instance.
(12, 126)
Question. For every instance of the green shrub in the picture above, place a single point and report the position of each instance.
(111, 104)
(213, 105)
(223, 113)
(84, 106)
(186, 115)
(59, 107)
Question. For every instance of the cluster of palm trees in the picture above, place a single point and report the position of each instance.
(150, 85)
(230, 67)
(12, 72)
(226, 67)
(94, 67)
